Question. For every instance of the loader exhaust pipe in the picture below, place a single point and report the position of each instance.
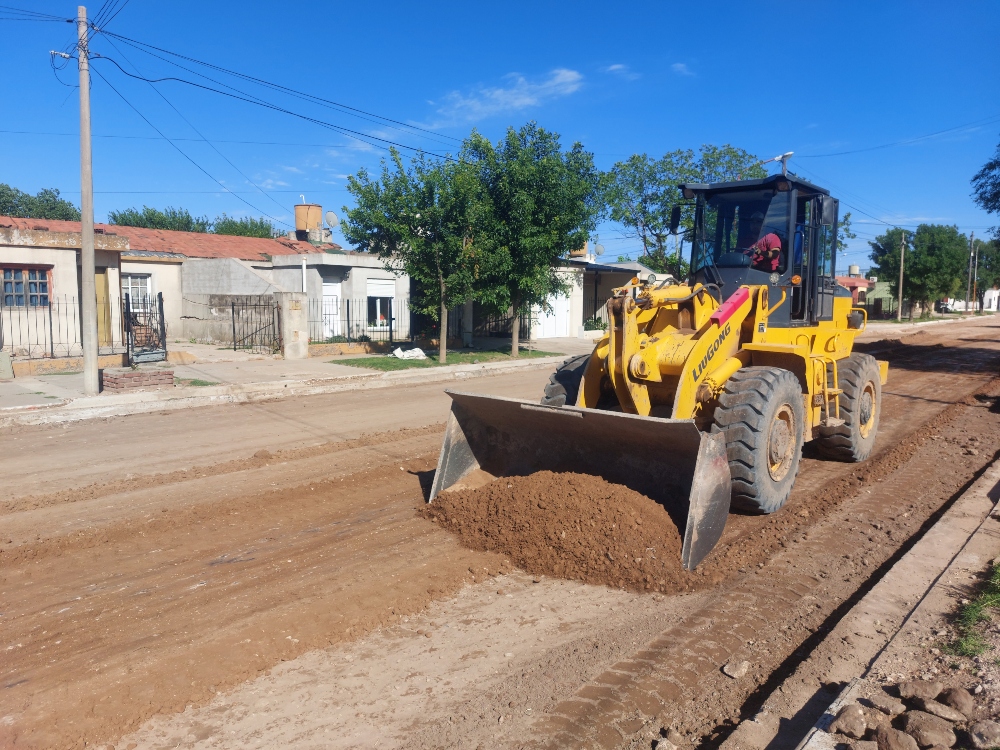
(668, 460)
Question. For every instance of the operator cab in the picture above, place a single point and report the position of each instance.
(780, 231)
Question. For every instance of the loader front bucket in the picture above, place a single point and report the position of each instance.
(668, 460)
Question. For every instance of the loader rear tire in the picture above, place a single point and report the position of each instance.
(860, 404)
(564, 383)
(762, 416)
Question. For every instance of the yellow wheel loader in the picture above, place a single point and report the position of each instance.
(700, 395)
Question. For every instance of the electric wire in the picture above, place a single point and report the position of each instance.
(982, 121)
(308, 97)
(182, 153)
(154, 138)
(191, 125)
(10, 13)
(355, 134)
(285, 89)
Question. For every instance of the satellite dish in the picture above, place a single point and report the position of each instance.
(598, 249)
(331, 219)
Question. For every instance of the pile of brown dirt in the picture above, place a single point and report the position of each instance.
(571, 526)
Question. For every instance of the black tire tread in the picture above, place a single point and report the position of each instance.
(740, 415)
(841, 443)
(564, 384)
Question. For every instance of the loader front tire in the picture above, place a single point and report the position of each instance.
(761, 414)
(860, 404)
(564, 383)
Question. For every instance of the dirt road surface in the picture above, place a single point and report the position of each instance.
(257, 576)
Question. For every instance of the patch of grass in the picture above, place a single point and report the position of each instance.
(388, 364)
(198, 383)
(970, 641)
(51, 397)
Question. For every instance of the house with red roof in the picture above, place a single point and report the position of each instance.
(195, 273)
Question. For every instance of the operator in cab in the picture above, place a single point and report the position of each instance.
(765, 253)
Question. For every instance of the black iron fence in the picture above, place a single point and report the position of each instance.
(256, 324)
(339, 320)
(145, 328)
(595, 316)
(491, 323)
(54, 329)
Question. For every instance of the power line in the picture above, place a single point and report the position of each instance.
(356, 134)
(285, 89)
(214, 148)
(10, 13)
(181, 152)
(982, 121)
(197, 140)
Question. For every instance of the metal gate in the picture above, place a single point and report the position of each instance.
(145, 329)
(257, 325)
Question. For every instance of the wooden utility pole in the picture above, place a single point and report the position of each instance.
(88, 286)
(975, 269)
(902, 253)
(968, 283)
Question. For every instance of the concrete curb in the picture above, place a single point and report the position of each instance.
(892, 602)
(110, 405)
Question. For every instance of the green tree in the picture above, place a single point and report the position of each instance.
(935, 265)
(844, 233)
(45, 204)
(175, 219)
(986, 187)
(641, 191)
(988, 270)
(537, 203)
(244, 227)
(418, 220)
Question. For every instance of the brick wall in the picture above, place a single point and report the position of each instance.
(127, 380)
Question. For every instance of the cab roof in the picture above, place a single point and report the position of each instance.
(691, 189)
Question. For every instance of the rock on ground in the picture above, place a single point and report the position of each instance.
(736, 669)
(928, 730)
(850, 721)
(888, 738)
(959, 699)
(941, 710)
(886, 704)
(919, 689)
(985, 734)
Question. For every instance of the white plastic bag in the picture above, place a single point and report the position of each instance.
(414, 353)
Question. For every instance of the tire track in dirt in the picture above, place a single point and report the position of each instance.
(105, 636)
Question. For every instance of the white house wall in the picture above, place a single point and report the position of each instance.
(165, 279)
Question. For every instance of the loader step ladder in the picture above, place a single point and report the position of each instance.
(829, 365)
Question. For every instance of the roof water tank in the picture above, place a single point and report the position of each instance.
(308, 216)
(854, 270)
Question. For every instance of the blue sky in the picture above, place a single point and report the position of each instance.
(813, 78)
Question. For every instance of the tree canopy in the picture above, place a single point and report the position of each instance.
(181, 220)
(173, 219)
(641, 191)
(986, 186)
(988, 268)
(419, 221)
(246, 226)
(935, 266)
(537, 203)
(45, 204)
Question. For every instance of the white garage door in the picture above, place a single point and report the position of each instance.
(555, 321)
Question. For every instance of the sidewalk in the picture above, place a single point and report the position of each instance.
(889, 626)
(243, 378)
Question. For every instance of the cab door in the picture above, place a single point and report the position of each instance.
(824, 265)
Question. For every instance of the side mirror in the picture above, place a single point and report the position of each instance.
(675, 219)
(828, 211)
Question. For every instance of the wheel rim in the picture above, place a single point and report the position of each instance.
(867, 409)
(781, 443)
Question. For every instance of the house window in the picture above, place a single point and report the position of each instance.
(381, 293)
(136, 286)
(24, 287)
